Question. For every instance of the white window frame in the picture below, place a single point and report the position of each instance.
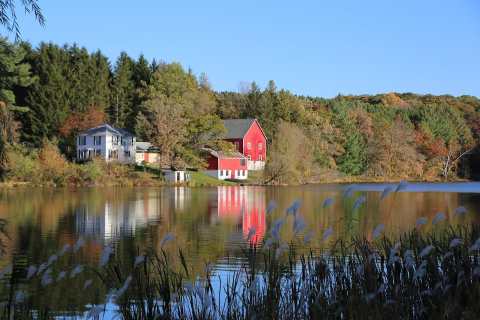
(249, 146)
(260, 146)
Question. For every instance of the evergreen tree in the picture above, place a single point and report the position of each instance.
(99, 84)
(123, 87)
(70, 80)
(48, 98)
(142, 74)
(14, 72)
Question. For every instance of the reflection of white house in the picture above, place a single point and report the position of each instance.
(107, 142)
(117, 219)
(124, 216)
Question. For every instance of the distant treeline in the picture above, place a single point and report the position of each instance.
(52, 92)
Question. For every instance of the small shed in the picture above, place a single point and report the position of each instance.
(146, 153)
(176, 176)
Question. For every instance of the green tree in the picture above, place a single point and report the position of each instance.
(123, 91)
(70, 80)
(353, 160)
(14, 72)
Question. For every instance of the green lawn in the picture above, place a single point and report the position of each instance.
(200, 179)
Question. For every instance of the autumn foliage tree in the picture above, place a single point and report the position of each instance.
(77, 122)
(392, 152)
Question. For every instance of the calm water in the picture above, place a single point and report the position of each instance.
(209, 224)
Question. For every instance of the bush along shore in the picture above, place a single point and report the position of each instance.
(47, 167)
(414, 275)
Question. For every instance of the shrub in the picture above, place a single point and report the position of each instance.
(22, 165)
(54, 167)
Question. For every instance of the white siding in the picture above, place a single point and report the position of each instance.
(107, 148)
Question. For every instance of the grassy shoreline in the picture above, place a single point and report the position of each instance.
(206, 181)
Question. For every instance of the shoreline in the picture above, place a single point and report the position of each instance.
(152, 183)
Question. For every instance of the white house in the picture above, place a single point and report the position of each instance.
(107, 142)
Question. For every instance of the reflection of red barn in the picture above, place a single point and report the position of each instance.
(245, 205)
(226, 165)
(249, 139)
(254, 217)
(231, 202)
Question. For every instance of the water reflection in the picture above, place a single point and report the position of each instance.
(245, 206)
(210, 224)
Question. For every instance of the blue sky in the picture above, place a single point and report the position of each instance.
(320, 48)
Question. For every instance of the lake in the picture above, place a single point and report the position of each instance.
(210, 225)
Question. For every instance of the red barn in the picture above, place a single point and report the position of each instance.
(226, 165)
(249, 140)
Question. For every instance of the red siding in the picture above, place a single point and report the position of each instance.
(230, 202)
(232, 164)
(255, 139)
(212, 163)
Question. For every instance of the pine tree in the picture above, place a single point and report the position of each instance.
(122, 91)
(14, 72)
(48, 98)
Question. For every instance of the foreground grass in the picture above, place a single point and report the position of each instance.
(413, 276)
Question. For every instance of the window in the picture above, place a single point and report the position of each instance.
(260, 146)
(242, 162)
(260, 157)
(115, 140)
(249, 157)
(127, 153)
(82, 140)
(97, 140)
(249, 145)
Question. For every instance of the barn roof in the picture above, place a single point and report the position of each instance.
(224, 154)
(237, 128)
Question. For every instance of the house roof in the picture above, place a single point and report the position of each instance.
(144, 146)
(224, 154)
(106, 127)
(237, 128)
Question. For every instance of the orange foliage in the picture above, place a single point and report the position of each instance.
(391, 99)
(364, 121)
(430, 146)
(79, 121)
